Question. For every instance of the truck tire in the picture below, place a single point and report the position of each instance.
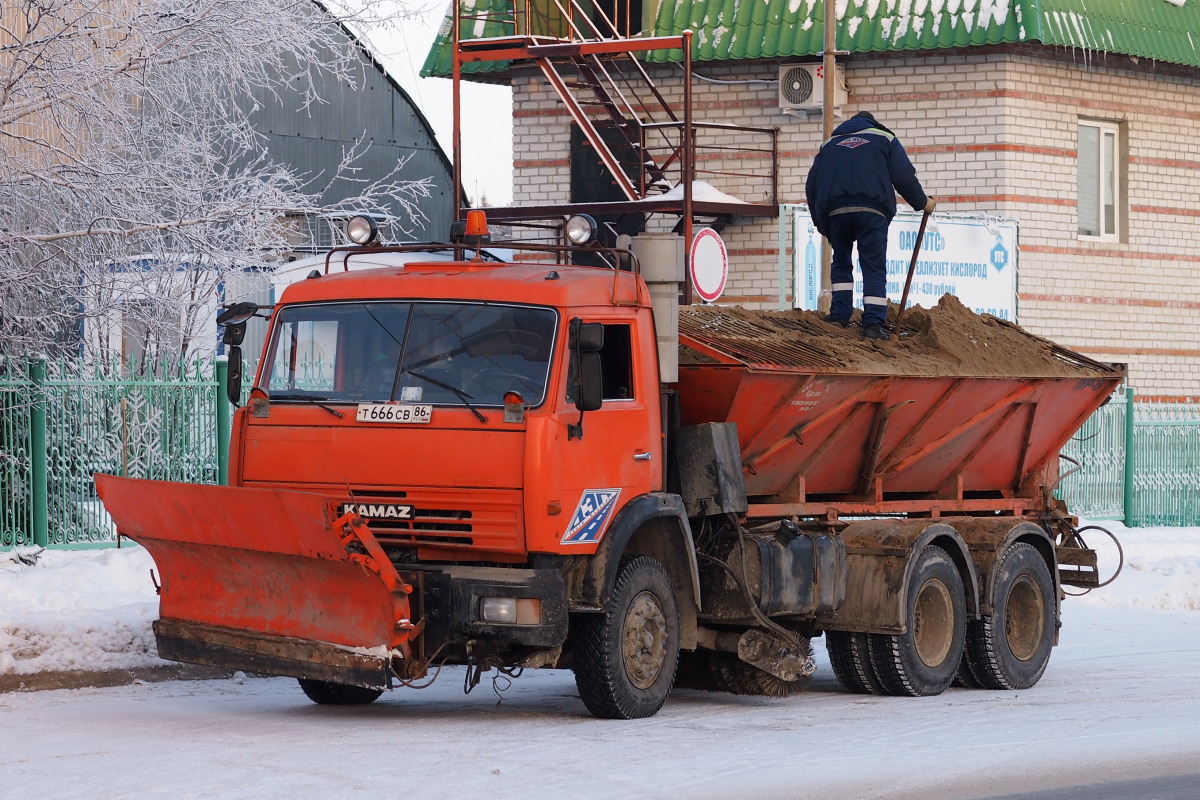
(1011, 648)
(924, 660)
(851, 661)
(964, 678)
(625, 658)
(337, 694)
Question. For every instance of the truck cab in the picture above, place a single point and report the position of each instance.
(476, 433)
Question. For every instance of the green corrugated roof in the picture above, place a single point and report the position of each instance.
(745, 29)
(737, 29)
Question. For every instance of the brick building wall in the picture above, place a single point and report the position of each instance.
(991, 132)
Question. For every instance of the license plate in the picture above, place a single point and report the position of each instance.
(394, 412)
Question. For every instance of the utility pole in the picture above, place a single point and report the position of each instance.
(829, 67)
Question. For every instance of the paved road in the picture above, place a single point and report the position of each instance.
(1121, 701)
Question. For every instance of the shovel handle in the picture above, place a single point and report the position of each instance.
(912, 266)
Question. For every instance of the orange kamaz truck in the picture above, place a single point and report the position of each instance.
(454, 460)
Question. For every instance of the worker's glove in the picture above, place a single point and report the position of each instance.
(930, 206)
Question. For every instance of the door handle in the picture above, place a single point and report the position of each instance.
(641, 456)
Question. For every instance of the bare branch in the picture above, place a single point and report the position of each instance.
(124, 137)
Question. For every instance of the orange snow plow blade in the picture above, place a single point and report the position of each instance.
(264, 580)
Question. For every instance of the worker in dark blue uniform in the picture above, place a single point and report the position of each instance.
(851, 192)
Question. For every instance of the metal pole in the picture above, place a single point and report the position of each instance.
(124, 437)
(784, 213)
(689, 156)
(829, 65)
(222, 370)
(456, 135)
(40, 509)
(1130, 459)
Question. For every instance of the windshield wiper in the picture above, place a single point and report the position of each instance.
(310, 398)
(462, 395)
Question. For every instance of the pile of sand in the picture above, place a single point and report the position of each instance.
(948, 339)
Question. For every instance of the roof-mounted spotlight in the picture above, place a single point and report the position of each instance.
(580, 229)
(362, 230)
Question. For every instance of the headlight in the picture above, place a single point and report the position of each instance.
(511, 610)
(362, 230)
(580, 229)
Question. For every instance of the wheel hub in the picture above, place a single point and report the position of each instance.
(1024, 619)
(644, 640)
(933, 623)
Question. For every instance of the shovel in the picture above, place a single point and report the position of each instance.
(912, 266)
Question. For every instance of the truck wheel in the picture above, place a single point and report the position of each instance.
(924, 659)
(851, 662)
(626, 657)
(1011, 648)
(337, 694)
(964, 678)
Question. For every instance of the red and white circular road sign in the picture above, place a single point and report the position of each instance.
(709, 264)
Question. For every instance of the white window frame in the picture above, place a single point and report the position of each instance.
(1104, 176)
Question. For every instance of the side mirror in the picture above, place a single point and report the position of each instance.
(237, 313)
(586, 337)
(584, 341)
(235, 375)
(589, 389)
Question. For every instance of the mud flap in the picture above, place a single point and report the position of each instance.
(263, 580)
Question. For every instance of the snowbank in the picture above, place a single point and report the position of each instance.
(91, 610)
(1161, 572)
(76, 610)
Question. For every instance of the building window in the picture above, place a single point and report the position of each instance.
(1099, 180)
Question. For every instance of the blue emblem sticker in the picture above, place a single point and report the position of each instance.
(853, 142)
(999, 255)
(591, 516)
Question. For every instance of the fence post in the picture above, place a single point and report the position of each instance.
(40, 508)
(222, 371)
(1130, 458)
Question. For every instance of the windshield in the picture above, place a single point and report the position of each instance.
(420, 352)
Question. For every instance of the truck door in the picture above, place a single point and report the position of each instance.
(619, 454)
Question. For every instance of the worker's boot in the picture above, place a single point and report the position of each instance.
(874, 331)
(845, 323)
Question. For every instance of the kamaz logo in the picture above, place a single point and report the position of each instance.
(378, 510)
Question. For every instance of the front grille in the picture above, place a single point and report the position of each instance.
(428, 524)
(478, 519)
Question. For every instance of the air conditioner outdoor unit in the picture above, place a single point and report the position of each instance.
(802, 87)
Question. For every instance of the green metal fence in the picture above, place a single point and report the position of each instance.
(1154, 482)
(64, 420)
(1166, 459)
(1093, 463)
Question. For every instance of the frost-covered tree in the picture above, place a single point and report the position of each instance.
(124, 138)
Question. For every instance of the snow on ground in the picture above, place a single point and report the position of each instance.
(76, 610)
(1120, 700)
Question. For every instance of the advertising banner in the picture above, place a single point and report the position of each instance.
(970, 256)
